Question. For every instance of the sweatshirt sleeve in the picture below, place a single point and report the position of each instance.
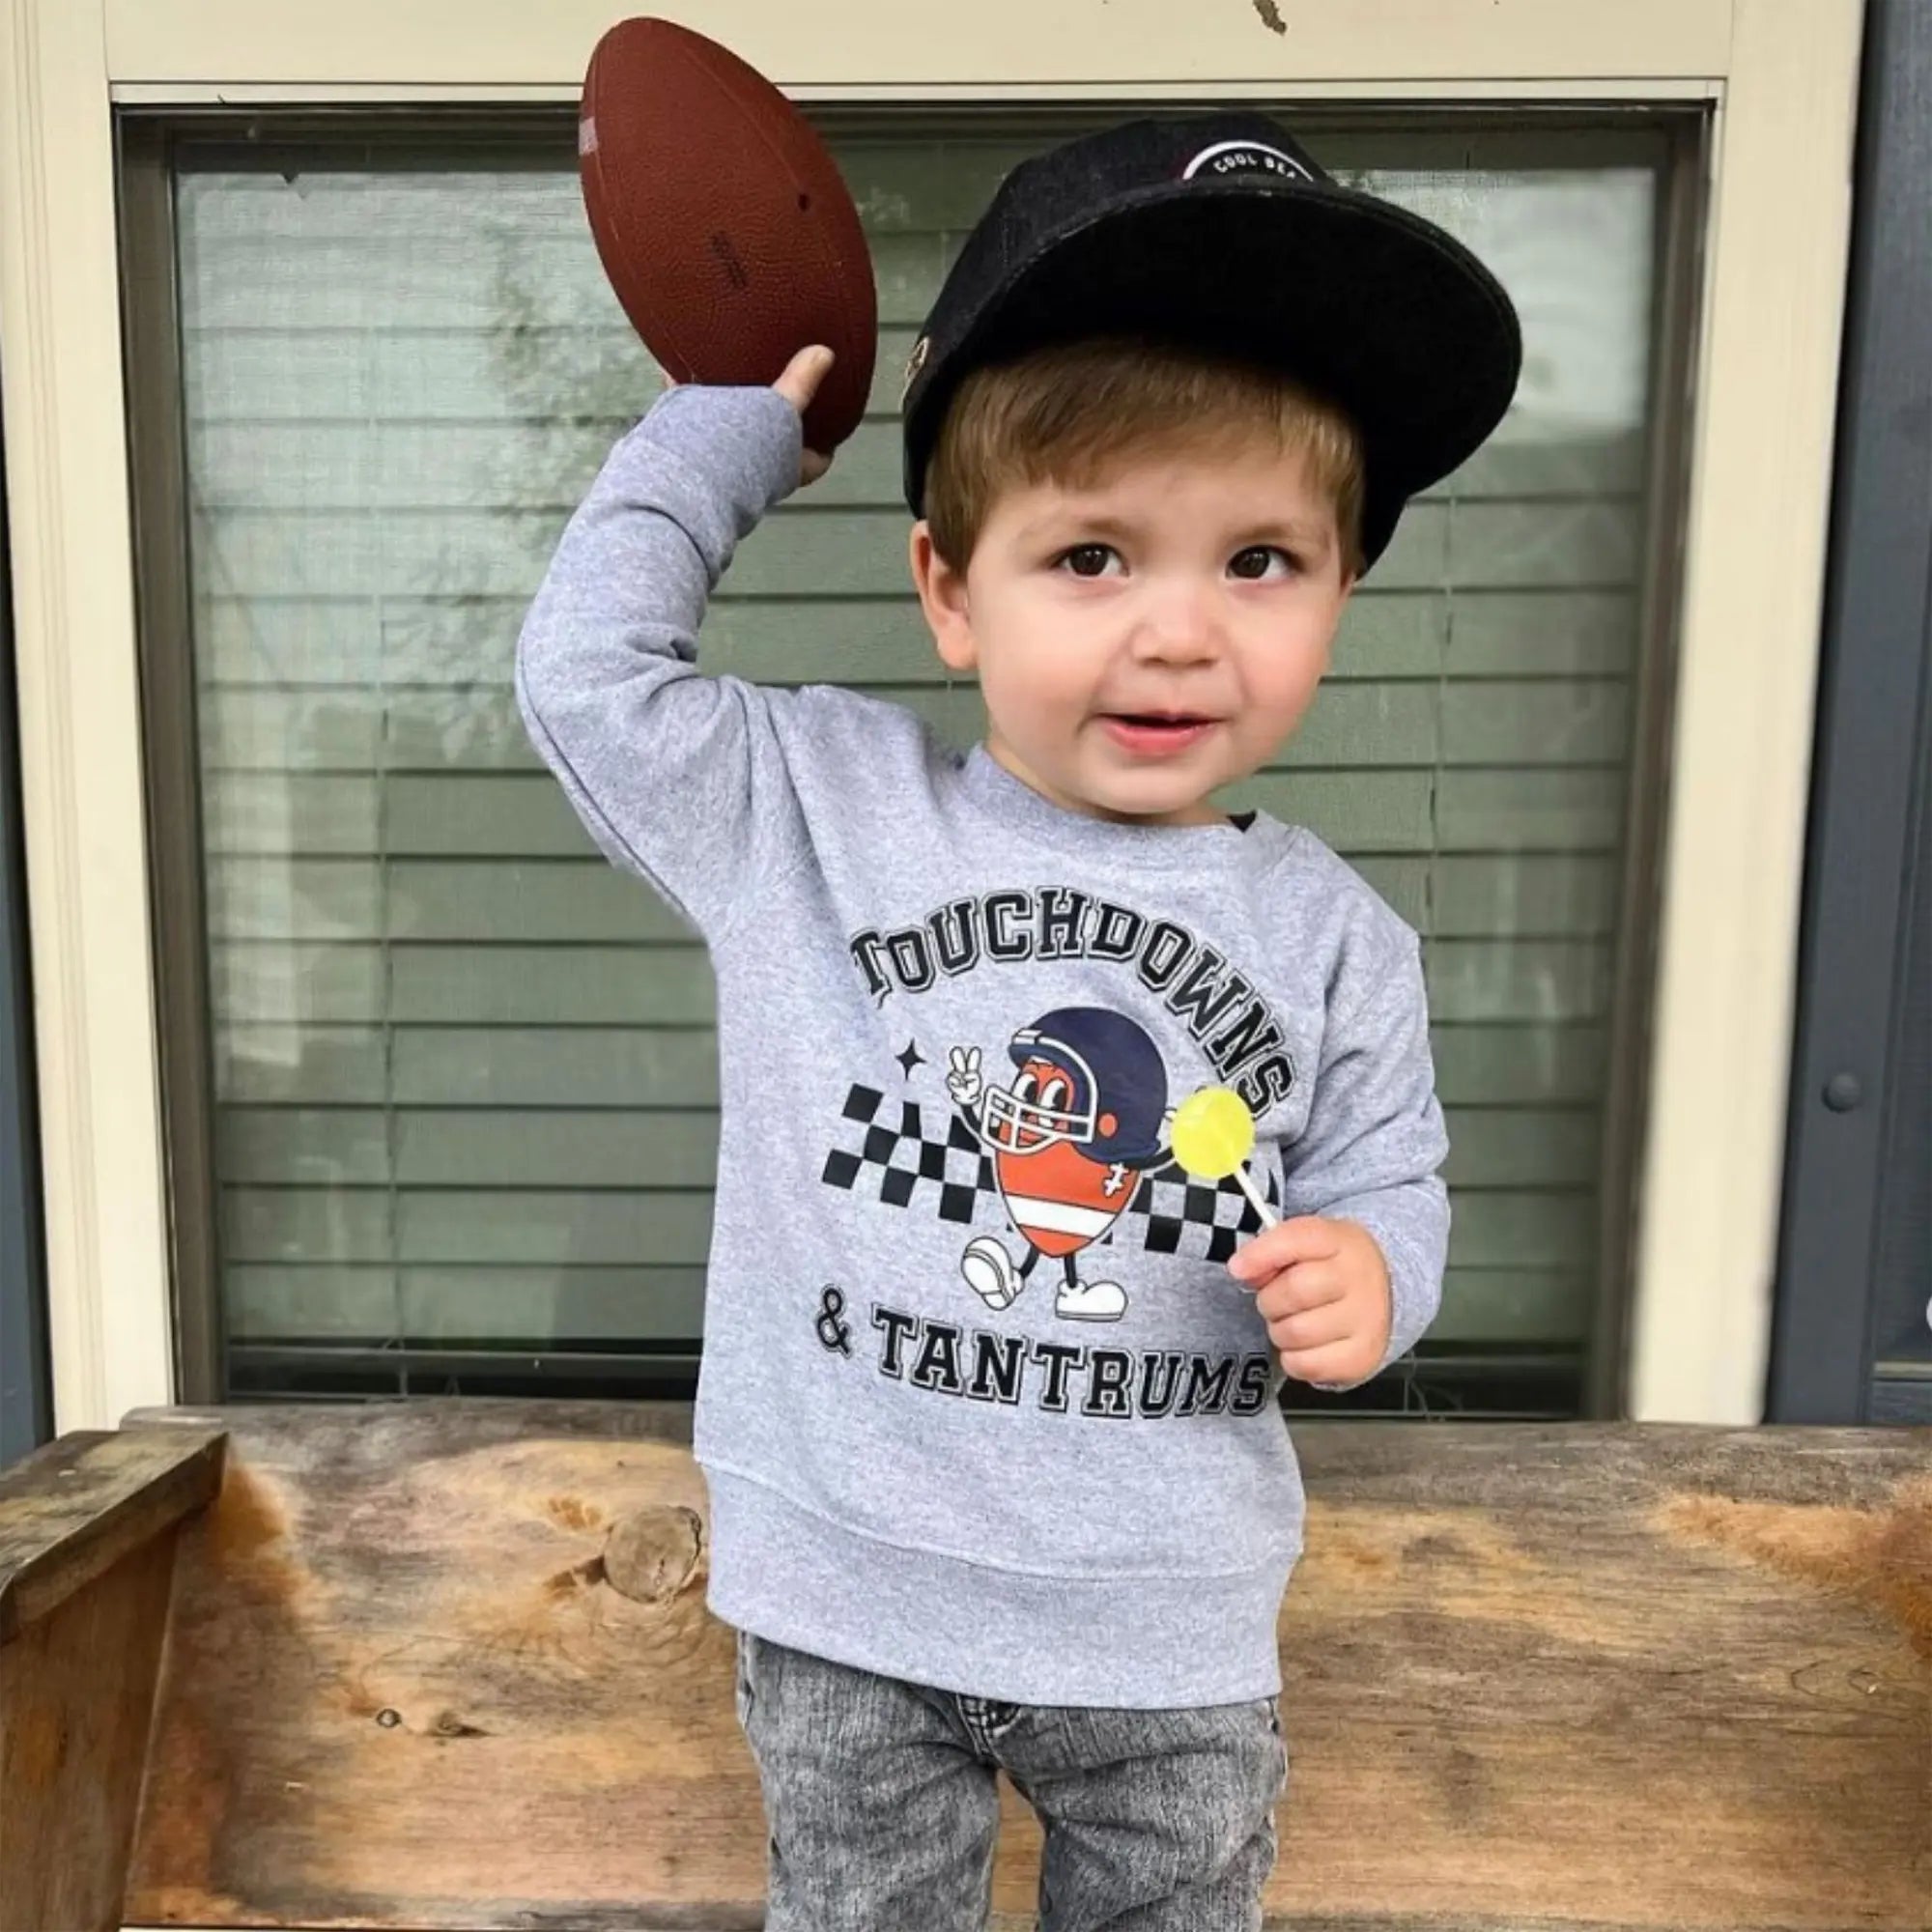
(674, 773)
(1375, 1142)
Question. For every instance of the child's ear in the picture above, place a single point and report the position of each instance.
(942, 596)
(1344, 590)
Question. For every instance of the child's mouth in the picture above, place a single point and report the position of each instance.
(1154, 735)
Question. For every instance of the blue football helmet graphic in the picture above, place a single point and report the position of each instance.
(1090, 1077)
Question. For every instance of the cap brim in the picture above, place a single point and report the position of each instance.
(1371, 305)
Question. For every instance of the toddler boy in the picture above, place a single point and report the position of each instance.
(987, 1409)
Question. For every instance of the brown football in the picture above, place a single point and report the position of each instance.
(725, 226)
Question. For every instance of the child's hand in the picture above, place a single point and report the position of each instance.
(799, 384)
(1322, 1288)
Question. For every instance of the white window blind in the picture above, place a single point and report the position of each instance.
(464, 1070)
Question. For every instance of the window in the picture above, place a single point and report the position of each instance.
(457, 1072)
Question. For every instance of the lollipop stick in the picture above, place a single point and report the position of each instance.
(1269, 1218)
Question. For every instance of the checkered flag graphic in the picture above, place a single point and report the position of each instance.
(908, 1154)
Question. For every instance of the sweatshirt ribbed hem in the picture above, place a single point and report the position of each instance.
(1128, 1642)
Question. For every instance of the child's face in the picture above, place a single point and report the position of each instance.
(1144, 640)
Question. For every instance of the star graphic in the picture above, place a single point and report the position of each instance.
(910, 1058)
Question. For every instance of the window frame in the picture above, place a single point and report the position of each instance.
(150, 141)
(25, 1408)
(1781, 81)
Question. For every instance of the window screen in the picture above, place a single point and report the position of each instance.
(461, 1070)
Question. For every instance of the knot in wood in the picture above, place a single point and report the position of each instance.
(652, 1554)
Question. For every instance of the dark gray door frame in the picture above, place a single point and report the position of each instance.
(26, 1405)
(1855, 1136)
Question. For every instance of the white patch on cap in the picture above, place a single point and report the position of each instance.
(587, 135)
(915, 362)
(1245, 158)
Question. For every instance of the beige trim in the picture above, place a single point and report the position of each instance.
(80, 740)
(487, 42)
(1735, 843)
(296, 94)
(1765, 395)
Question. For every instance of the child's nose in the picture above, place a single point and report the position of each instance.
(1181, 624)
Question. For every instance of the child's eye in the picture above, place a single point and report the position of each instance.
(1256, 564)
(1087, 559)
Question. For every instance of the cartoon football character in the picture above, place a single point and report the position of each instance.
(1069, 1138)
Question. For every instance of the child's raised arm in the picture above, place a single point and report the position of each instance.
(677, 776)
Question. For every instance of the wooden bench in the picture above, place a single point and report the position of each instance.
(446, 1664)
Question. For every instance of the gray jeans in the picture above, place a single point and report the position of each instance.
(882, 1809)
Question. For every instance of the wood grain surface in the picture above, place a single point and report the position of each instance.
(76, 1690)
(71, 1511)
(447, 1664)
(87, 1539)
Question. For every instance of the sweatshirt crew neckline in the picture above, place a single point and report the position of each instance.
(992, 788)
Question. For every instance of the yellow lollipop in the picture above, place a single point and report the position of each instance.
(1214, 1136)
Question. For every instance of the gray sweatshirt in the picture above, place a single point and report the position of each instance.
(981, 1406)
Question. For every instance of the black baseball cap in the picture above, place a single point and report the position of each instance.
(1219, 232)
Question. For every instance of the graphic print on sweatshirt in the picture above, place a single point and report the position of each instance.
(1086, 1112)
(1072, 1144)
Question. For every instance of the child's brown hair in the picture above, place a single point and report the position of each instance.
(1070, 411)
